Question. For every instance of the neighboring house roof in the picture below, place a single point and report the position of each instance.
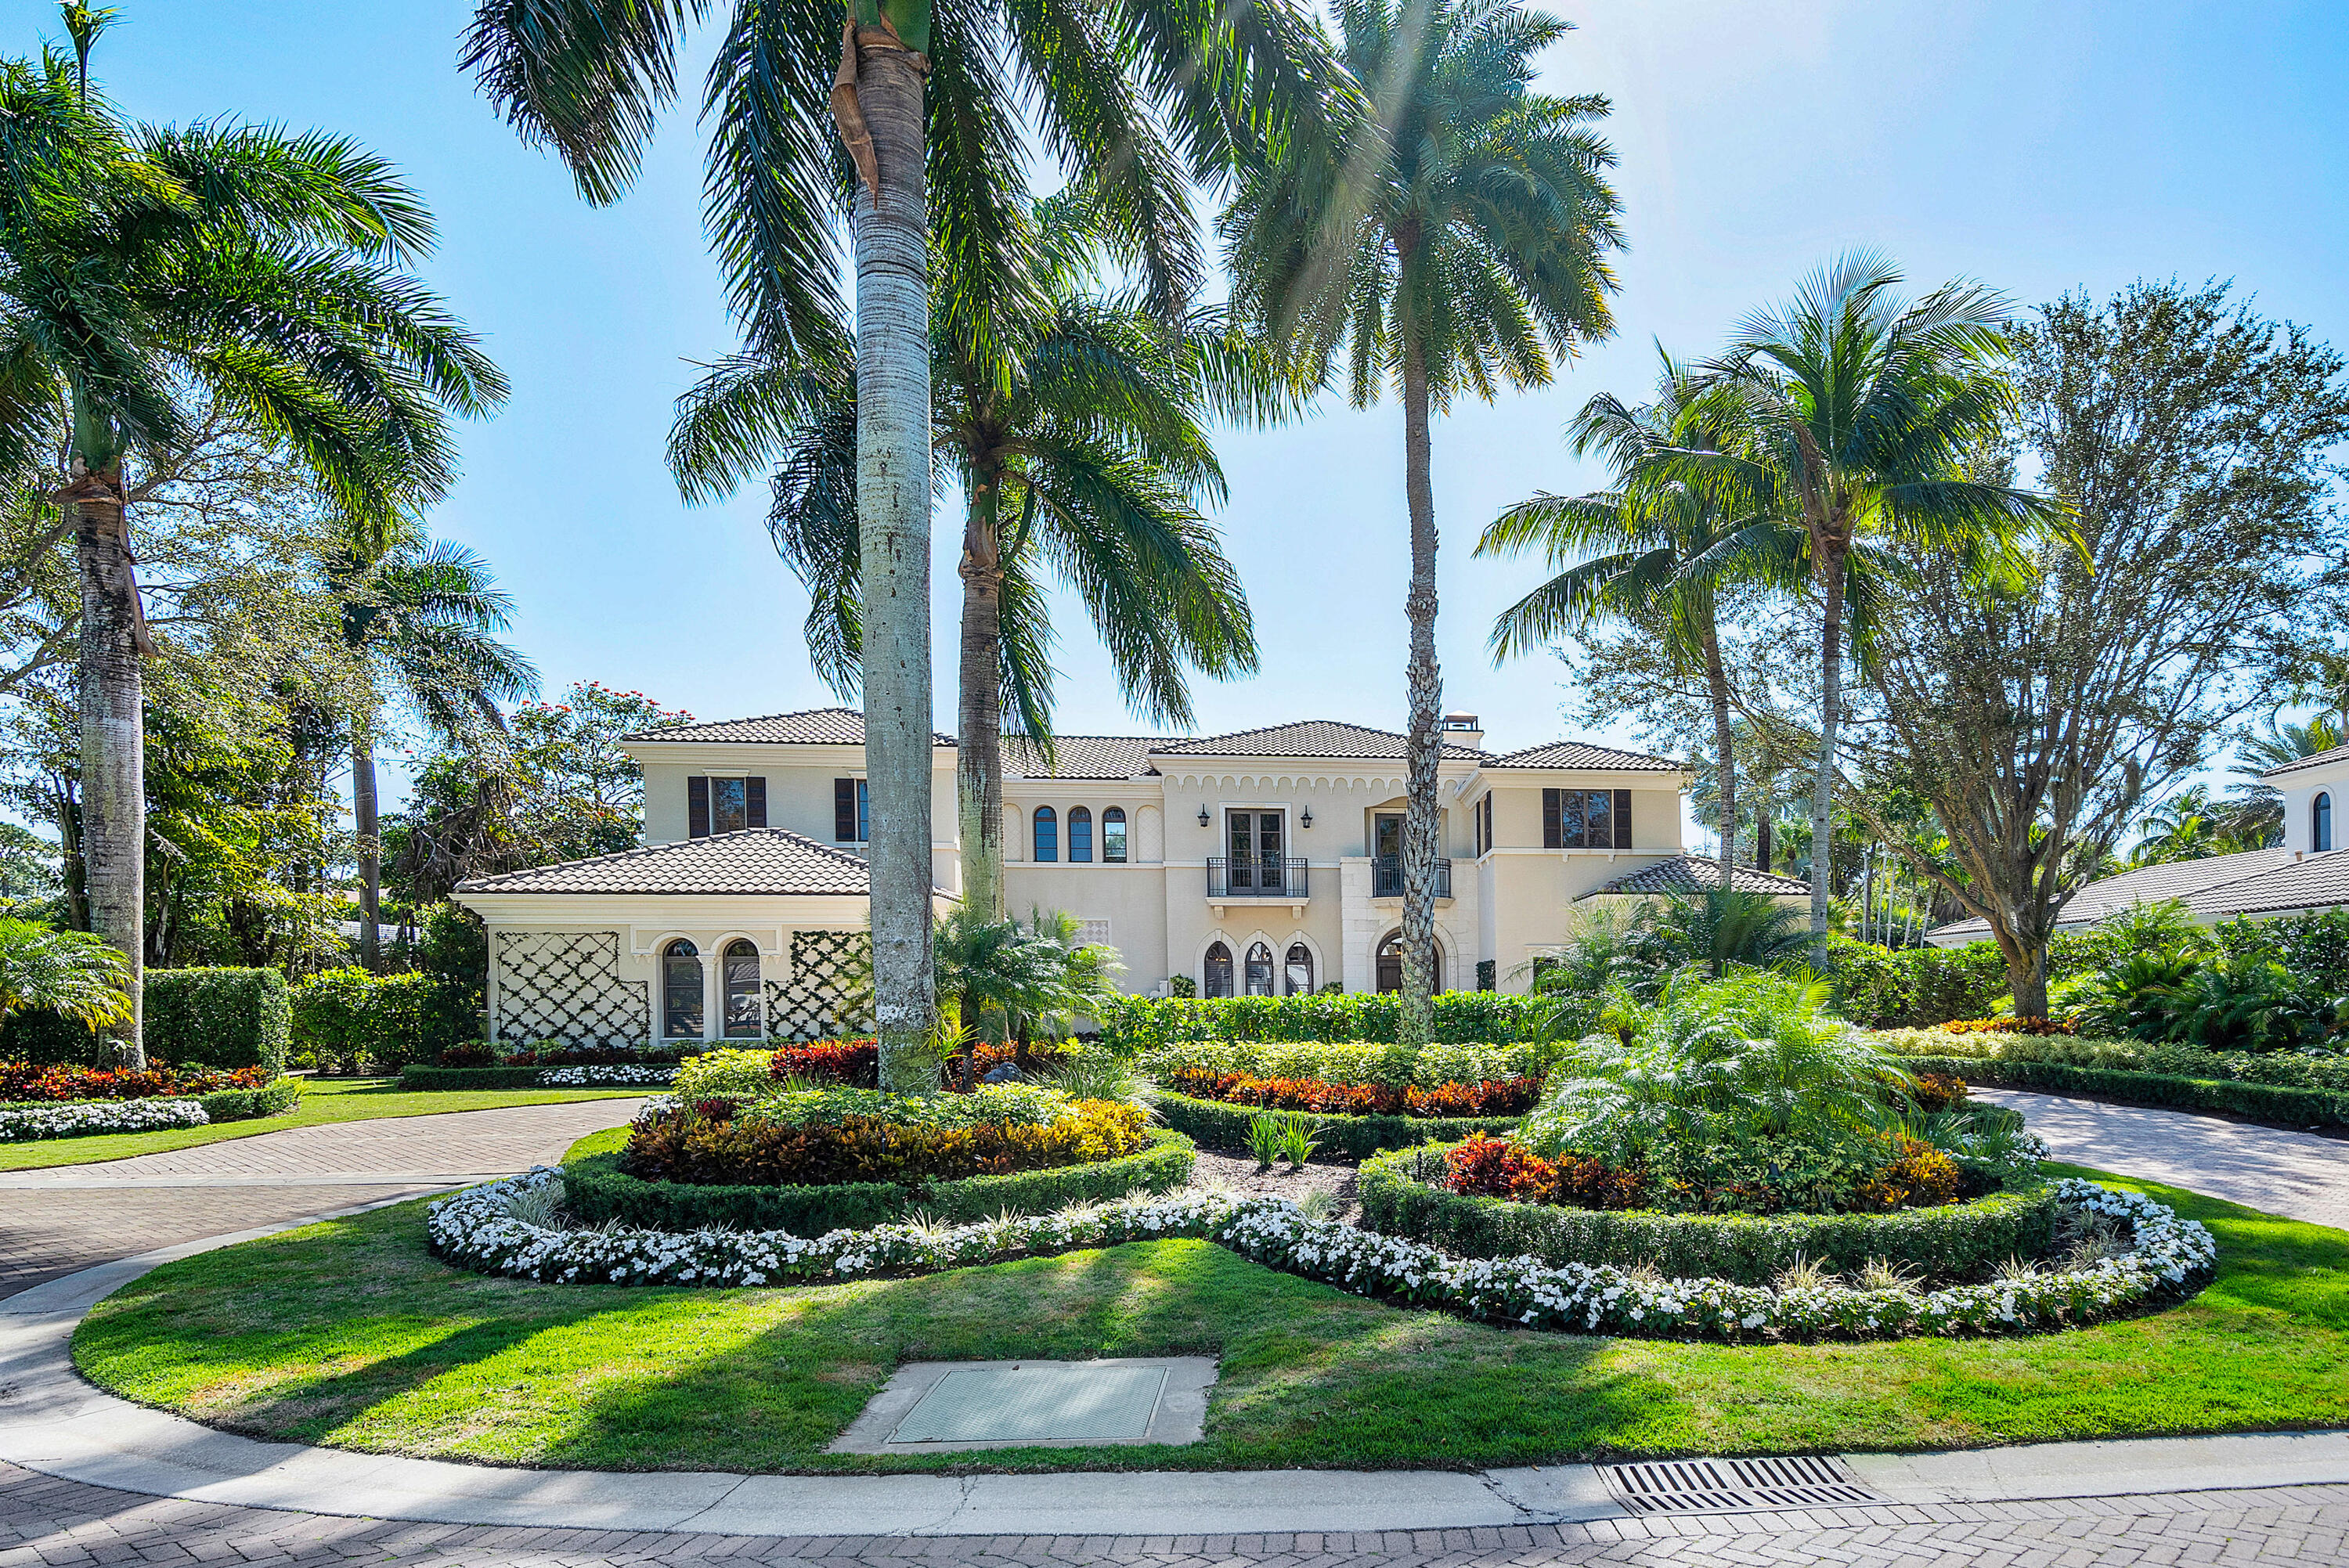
(1694, 873)
(808, 726)
(2337, 754)
(1311, 737)
(1082, 757)
(1581, 754)
(769, 861)
(2205, 886)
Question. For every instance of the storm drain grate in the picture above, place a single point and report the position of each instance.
(1735, 1486)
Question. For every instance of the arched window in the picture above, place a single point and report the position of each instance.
(1296, 979)
(1113, 835)
(741, 967)
(1219, 970)
(2321, 813)
(1259, 970)
(1080, 835)
(1048, 834)
(1391, 964)
(681, 991)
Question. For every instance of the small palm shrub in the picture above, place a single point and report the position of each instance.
(70, 974)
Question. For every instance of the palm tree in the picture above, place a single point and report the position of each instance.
(926, 101)
(73, 973)
(1848, 413)
(1077, 421)
(1452, 231)
(997, 971)
(1717, 927)
(2255, 807)
(144, 267)
(418, 618)
(1653, 552)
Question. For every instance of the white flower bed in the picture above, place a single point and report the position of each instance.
(614, 1075)
(485, 1228)
(71, 1118)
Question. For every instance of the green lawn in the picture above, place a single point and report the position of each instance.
(351, 1334)
(323, 1099)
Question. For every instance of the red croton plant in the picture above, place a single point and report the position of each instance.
(27, 1081)
(1495, 1096)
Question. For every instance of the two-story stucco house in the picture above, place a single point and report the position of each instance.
(1265, 863)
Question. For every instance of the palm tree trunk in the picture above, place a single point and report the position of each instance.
(1426, 683)
(113, 744)
(979, 767)
(893, 504)
(1723, 751)
(1823, 787)
(364, 814)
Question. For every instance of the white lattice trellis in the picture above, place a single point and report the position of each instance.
(830, 991)
(565, 985)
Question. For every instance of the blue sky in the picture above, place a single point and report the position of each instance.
(2037, 147)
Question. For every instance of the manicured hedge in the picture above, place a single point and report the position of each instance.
(1221, 1126)
(1401, 1196)
(385, 1020)
(2271, 1103)
(245, 1104)
(218, 1018)
(596, 1189)
(1462, 1017)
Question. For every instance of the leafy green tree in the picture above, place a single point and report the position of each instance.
(1452, 233)
(419, 617)
(930, 104)
(1848, 412)
(1654, 553)
(142, 267)
(1077, 421)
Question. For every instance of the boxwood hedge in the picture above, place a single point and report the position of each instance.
(245, 1104)
(598, 1189)
(1221, 1126)
(1401, 1196)
(216, 1018)
(2272, 1103)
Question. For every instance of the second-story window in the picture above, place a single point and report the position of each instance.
(1048, 834)
(1585, 819)
(1113, 835)
(851, 812)
(716, 804)
(1081, 836)
(2321, 822)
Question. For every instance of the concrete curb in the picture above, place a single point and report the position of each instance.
(53, 1422)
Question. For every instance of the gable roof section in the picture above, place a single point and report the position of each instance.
(2338, 754)
(1582, 756)
(808, 726)
(773, 861)
(1695, 873)
(2196, 884)
(1080, 757)
(1311, 738)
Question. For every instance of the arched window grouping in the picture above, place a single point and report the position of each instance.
(2320, 812)
(683, 987)
(1219, 970)
(681, 991)
(1112, 840)
(1048, 834)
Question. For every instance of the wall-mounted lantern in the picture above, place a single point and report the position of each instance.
(1306, 820)
(1203, 815)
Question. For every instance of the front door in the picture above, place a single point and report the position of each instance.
(1254, 839)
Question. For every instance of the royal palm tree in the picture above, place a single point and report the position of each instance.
(1076, 419)
(142, 268)
(1653, 552)
(1452, 231)
(1848, 412)
(421, 618)
(930, 104)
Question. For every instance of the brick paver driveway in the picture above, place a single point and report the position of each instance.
(48, 1523)
(55, 1222)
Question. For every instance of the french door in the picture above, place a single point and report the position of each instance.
(1256, 846)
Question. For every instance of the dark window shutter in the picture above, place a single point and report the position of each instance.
(1622, 819)
(843, 810)
(697, 806)
(1553, 836)
(755, 802)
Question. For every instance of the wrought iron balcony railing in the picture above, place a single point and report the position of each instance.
(1257, 876)
(1386, 877)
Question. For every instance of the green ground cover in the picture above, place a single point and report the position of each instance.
(351, 1334)
(322, 1100)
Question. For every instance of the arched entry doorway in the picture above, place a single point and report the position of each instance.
(1389, 963)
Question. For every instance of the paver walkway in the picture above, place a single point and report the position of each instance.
(2296, 1174)
(50, 1524)
(55, 1221)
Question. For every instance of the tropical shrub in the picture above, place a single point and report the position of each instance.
(70, 974)
(25, 1081)
(689, 1143)
(1462, 1017)
(1352, 1062)
(350, 1019)
(1498, 1096)
(742, 1074)
(856, 1064)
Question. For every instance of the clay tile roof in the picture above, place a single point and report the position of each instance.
(769, 861)
(1080, 757)
(1581, 754)
(2200, 884)
(1312, 737)
(1694, 873)
(2337, 754)
(808, 726)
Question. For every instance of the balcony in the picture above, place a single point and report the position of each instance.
(1278, 877)
(1386, 877)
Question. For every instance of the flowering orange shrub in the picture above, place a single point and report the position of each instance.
(1920, 1176)
(1938, 1091)
(1497, 1168)
(717, 1144)
(2011, 1026)
(25, 1081)
(1500, 1097)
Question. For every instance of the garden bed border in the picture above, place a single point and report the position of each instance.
(158, 1112)
(2274, 1105)
(1219, 1125)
